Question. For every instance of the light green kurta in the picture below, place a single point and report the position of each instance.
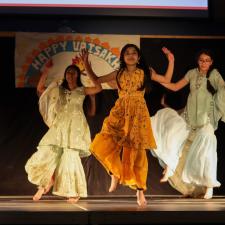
(67, 139)
(203, 107)
(68, 125)
(191, 155)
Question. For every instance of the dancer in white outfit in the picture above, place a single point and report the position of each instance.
(190, 136)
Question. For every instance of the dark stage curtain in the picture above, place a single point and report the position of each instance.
(21, 126)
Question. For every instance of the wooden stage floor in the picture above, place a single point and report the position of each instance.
(112, 210)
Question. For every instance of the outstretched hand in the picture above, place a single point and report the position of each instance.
(168, 54)
(84, 56)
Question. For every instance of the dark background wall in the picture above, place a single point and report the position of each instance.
(21, 126)
(214, 25)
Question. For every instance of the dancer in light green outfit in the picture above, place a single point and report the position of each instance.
(187, 145)
(57, 161)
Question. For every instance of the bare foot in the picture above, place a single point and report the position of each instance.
(114, 182)
(47, 189)
(208, 193)
(166, 174)
(73, 200)
(141, 201)
(38, 194)
(164, 179)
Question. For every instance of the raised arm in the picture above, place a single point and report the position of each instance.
(94, 78)
(176, 86)
(92, 90)
(166, 78)
(92, 106)
(41, 83)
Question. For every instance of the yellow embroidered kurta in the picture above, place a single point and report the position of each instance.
(128, 127)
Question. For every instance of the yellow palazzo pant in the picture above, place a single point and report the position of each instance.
(129, 165)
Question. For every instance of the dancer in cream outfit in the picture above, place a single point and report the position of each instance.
(57, 162)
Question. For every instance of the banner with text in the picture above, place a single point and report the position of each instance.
(35, 50)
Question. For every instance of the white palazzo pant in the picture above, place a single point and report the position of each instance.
(62, 163)
(171, 132)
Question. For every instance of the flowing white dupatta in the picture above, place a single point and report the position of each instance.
(49, 103)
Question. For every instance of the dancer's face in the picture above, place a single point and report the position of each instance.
(131, 56)
(71, 77)
(204, 63)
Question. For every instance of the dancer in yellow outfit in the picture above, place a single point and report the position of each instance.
(126, 133)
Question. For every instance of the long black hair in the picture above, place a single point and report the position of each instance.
(207, 52)
(141, 64)
(65, 83)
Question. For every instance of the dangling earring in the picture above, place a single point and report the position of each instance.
(138, 62)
